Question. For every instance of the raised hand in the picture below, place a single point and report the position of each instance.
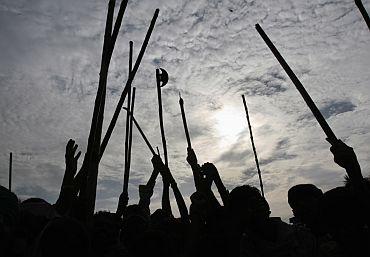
(122, 203)
(71, 159)
(210, 173)
(346, 158)
(344, 155)
(163, 170)
(67, 192)
(191, 158)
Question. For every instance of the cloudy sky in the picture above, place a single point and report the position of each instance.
(49, 66)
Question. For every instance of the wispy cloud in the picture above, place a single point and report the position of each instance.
(49, 68)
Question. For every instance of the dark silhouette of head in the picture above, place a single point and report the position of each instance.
(247, 206)
(63, 237)
(135, 222)
(9, 217)
(105, 231)
(160, 220)
(304, 199)
(345, 220)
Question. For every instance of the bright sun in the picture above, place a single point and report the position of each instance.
(230, 122)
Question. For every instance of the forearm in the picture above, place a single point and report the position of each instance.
(166, 205)
(224, 193)
(183, 210)
(197, 176)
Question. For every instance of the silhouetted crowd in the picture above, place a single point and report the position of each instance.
(334, 223)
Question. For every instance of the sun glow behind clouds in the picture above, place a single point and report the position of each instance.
(230, 122)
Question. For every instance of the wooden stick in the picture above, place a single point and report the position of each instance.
(128, 128)
(129, 82)
(181, 102)
(160, 113)
(79, 179)
(363, 11)
(141, 133)
(253, 146)
(128, 163)
(10, 170)
(88, 190)
(324, 125)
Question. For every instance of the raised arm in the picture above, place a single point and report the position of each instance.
(346, 158)
(168, 178)
(66, 192)
(193, 162)
(210, 170)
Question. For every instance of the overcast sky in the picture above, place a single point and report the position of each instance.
(49, 69)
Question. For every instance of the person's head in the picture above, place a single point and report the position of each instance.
(9, 215)
(135, 222)
(63, 237)
(341, 212)
(151, 243)
(247, 206)
(35, 214)
(160, 220)
(304, 199)
(106, 227)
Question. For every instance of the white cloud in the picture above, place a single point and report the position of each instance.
(49, 72)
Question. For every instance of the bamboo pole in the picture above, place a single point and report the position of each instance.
(128, 163)
(88, 189)
(306, 97)
(160, 113)
(253, 146)
(10, 170)
(128, 128)
(141, 133)
(364, 13)
(79, 183)
(181, 102)
(129, 82)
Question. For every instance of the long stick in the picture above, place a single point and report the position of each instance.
(128, 163)
(142, 133)
(362, 9)
(88, 190)
(253, 146)
(181, 102)
(128, 128)
(129, 82)
(160, 113)
(10, 170)
(324, 125)
(79, 179)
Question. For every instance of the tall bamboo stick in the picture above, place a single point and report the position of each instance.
(363, 11)
(160, 113)
(128, 128)
(141, 132)
(88, 190)
(306, 97)
(10, 170)
(253, 146)
(127, 168)
(129, 82)
(181, 102)
(79, 179)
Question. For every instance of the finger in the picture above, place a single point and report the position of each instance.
(70, 143)
(74, 148)
(78, 155)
